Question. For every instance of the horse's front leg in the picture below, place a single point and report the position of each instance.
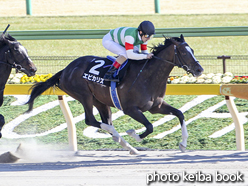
(136, 114)
(2, 122)
(165, 108)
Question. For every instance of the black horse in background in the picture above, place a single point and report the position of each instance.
(12, 55)
(138, 92)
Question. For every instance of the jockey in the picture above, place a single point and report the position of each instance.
(125, 41)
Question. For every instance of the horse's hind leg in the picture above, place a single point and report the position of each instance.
(104, 111)
(118, 138)
(106, 116)
(87, 102)
(165, 108)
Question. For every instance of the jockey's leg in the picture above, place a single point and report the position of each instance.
(109, 74)
(117, 49)
(165, 108)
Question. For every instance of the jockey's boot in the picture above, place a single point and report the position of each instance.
(109, 74)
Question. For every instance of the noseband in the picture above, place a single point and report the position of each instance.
(181, 62)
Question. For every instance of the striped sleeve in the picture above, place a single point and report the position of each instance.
(129, 41)
(144, 48)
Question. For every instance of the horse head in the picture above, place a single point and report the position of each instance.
(185, 57)
(17, 56)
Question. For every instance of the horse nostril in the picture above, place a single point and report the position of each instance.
(33, 69)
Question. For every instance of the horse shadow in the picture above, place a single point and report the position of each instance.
(93, 160)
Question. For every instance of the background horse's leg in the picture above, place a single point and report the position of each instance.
(2, 122)
(165, 108)
(1, 97)
(139, 116)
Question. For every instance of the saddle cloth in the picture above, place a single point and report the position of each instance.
(99, 66)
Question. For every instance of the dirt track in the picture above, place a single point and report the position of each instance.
(119, 168)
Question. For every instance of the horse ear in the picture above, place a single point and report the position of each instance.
(7, 41)
(3, 37)
(182, 38)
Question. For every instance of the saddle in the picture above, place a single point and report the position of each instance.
(99, 66)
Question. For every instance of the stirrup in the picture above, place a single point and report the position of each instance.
(115, 80)
(111, 79)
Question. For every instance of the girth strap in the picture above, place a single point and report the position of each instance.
(114, 95)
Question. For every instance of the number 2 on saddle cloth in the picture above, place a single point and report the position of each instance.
(97, 69)
(99, 66)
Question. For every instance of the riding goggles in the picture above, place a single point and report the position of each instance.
(148, 36)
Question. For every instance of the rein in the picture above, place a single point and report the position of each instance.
(138, 75)
(7, 63)
(2, 89)
(156, 57)
(14, 65)
(176, 56)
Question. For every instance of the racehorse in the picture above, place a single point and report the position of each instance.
(12, 55)
(139, 91)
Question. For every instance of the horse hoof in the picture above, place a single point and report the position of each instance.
(133, 134)
(116, 139)
(134, 152)
(130, 132)
(182, 148)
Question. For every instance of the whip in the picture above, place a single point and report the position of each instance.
(6, 29)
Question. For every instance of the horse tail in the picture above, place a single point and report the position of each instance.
(39, 88)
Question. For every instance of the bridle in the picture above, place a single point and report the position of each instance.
(14, 64)
(178, 60)
(1, 90)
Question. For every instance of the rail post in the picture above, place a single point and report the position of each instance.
(28, 7)
(157, 6)
(223, 57)
(239, 129)
(72, 135)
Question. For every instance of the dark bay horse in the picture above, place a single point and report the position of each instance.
(12, 55)
(137, 94)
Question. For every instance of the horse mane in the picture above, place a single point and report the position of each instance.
(6, 37)
(161, 46)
